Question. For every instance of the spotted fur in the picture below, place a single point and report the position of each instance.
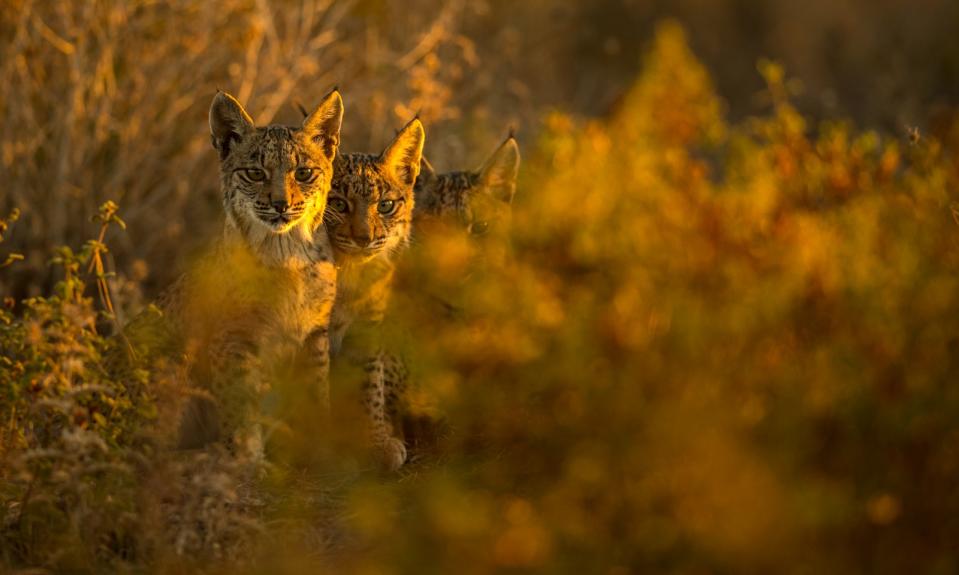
(262, 302)
(478, 201)
(368, 219)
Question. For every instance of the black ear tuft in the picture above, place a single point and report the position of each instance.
(301, 108)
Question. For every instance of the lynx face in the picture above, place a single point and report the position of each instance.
(477, 201)
(274, 178)
(371, 198)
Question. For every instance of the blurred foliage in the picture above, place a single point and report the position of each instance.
(721, 347)
(716, 343)
(67, 424)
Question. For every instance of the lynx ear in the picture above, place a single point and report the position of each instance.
(402, 157)
(498, 174)
(323, 125)
(426, 169)
(229, 122)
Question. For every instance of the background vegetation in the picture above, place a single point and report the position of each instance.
(725, 341)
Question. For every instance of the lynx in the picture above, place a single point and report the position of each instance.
(479, 201)
(262, 302)
(368, 219)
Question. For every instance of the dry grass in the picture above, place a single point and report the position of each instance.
(108, 101)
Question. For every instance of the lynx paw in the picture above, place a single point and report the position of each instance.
(391, 454)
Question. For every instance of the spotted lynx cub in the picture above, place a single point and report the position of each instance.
(479, 201)
(262, 302)
(368, 219)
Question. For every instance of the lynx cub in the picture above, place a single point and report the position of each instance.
(478, 200)
(368, 219)
(262, 302)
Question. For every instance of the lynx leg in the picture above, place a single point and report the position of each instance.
(317, 346)
(390, 450)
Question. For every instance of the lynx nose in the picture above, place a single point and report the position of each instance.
(363, 237)
(280, 206)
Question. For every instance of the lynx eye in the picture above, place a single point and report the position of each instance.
(386, 206)
(303, 174)
(255, 174)
(479, 228)
(338, 205)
